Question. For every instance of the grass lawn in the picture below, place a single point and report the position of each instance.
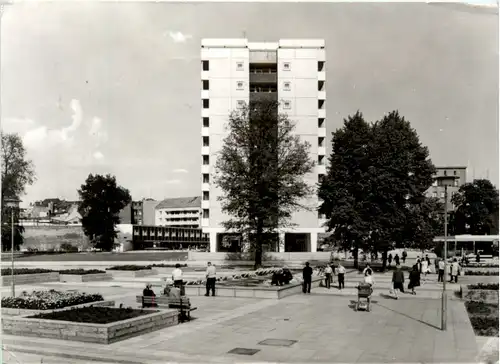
(101, 257)
(93, 315)
(483, 317)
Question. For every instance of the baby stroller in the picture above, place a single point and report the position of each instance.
(365, 290)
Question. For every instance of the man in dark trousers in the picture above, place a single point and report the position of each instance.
(307, 276)
(211, 277)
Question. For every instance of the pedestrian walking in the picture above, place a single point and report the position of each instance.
(367, 267)
(454, 271)
(177, 278)
(424, 268)
(341, 275)
(419, 264)
(404, 255)
(328, 276)
(389, 259)
(211, 278)
(441, 266)
(307, 276)
(396, 259)
(398, 280)
(414, 279)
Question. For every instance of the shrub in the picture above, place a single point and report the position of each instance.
(68, 248)
(163, 265)
(81, 271)
(479, 273)
(93, 315)
(489, 286)
(129, 267)
(49, 300)
(18, 271)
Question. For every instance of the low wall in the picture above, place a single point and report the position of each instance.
(24, 312)
(78, 278)
(131, 273)
(30, 278)
(268, 257)
(252, 292)
(93, 333)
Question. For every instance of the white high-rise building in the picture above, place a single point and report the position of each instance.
(235, 71)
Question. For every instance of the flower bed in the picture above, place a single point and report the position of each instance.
(480, 273)
(166, 265)
(47, 300)
(483, 317)
(93, 315)
(19, 271)
(102, 325)
(487, 286)
(130, 267)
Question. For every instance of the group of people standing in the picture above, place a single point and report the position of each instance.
(331, 271)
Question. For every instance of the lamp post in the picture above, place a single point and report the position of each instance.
(445, 181)
(12, 203)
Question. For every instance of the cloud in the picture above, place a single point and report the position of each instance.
(180, 170)
(172, 181)
(178, 37)
(98, 155)
(96, 131)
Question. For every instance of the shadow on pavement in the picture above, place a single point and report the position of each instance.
(405, 315)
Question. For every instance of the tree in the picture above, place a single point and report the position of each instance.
(17, 173)
(378, 175)
(477, 208)
(425, 221)
(403, 172)
(345, 189)
(260, 172)
(101, 202)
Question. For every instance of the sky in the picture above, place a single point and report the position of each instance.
(115, 87)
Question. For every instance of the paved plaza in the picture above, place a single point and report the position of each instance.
(321, 327)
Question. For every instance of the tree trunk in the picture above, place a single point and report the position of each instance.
(384, 259)
(355, 255)
(258, 246)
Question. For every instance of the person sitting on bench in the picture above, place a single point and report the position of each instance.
(148, 292)
(171, 292)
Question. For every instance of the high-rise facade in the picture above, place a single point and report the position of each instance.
(235, 72)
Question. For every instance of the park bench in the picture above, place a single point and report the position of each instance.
(182, 304)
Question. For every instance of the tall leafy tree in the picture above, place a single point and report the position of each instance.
(260, 171)
(403, 173)
(101, 202)
(17, 173)
(477, 208)
(424, 221)
(346, 189)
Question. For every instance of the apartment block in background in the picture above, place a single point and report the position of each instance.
(235, 72)
(438, 191)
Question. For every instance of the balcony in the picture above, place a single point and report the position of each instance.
(205, 169)
(321, 95)
(263, 96)
(322, 132)
(205, 94)
(205, 150)
(205, 204)
(205, 186)
(263, 78)
(321, 151)
(321, 113)
(322, 76)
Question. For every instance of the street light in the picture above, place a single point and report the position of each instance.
(445, 181)
(12, 203)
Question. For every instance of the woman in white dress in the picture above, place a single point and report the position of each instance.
(425, 268)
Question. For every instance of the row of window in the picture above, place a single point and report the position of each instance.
(240, 85)
(240, 66)
(287, 104)
(178, 212)
(455, 182)
(206, 123)
(178, 219)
